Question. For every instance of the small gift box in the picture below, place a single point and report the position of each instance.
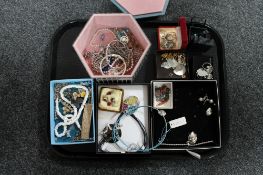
(173, 37)
(112, 46)
(71, 112)
(146, 8)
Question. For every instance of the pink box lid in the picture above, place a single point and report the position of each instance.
(138, 7)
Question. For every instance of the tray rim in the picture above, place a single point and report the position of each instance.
(223, 95)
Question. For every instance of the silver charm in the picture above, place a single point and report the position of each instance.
(170, 63)
(192, 138)
(180, 70)
(124, 39)
(162, 113)
(208, 112)
(205, 71)
(178, 66)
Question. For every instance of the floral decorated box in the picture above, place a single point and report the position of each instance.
(72, 112)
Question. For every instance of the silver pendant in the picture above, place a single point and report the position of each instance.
(192, 138)
(205, 71)
(170, 63)
(178, 67)
(162, 113)
(208, 112)
(124, 39)
(180, 70)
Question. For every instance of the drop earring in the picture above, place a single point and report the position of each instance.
(208, 112)
(192, 138)
(206, 99)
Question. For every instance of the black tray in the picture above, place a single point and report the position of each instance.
(65, 64)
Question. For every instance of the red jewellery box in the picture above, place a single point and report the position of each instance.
(173, 37)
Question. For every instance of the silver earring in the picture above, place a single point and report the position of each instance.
(208, 112)
(192, 138)
(205, 71)
(206, 99)
(161, 113)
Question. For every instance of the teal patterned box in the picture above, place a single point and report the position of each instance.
(72, 112)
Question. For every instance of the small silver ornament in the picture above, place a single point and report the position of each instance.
(205, 71)
(124, 39)
(208, 112)
(192, 138)
(161, 113)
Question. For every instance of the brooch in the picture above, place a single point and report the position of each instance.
(163, 95)
(111, 99)
(192, 138)
(205, 72)
(176, 62)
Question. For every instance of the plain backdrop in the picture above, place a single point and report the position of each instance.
(26, 28)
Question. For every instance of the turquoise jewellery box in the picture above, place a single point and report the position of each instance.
(72, 112)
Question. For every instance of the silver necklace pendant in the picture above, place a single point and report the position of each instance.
(178, 68)
(162, 113)
(205, 71)
(209, 77)
(170, 63)
(201, 73)
(208, 112)
(124, 39)
(192, 138)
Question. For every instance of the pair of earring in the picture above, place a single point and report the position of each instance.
(205, 100)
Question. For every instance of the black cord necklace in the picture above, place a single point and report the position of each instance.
(107, 133)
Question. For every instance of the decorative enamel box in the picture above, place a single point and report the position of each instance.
(112, 46)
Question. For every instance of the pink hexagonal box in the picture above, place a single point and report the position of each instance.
(112, 46)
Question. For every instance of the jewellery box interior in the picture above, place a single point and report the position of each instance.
(134, 129)
(197, 103)
(176, 96)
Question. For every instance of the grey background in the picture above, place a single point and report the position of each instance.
(26, 28)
